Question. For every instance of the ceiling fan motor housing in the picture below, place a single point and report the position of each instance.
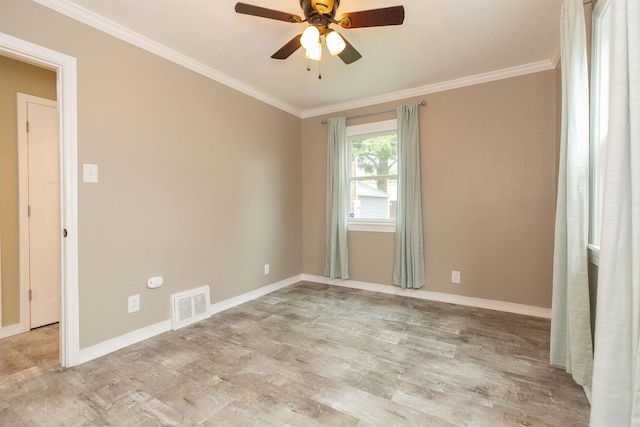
(321, 6)
(322, 14)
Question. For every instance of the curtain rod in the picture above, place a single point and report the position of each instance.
(422, 104)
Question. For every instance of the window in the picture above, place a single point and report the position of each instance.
(599, 114)
(373, 176)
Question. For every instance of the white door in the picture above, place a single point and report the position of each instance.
(43, 212)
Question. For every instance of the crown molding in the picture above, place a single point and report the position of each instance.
(505, 73)
(94, 20)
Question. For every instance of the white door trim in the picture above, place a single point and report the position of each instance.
(65, 68)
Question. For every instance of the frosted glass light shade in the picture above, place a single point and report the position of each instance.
(310, 37)
(335, 43)
(314, 52)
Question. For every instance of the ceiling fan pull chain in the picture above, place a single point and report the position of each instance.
(320, 69)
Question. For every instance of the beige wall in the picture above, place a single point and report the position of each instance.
(204, 185)
(488, 180)
(15, 77)
(197, 182)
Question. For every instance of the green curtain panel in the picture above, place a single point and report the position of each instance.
(571, 345)
(336, 263)
(616, 369)
(408, 267)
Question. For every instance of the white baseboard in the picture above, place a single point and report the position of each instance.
(7, 331)
(240, 299)
(145, 333)
(117, 343)
(508, 307)
(139, 335)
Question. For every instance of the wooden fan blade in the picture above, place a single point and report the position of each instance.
(263, 12)
(349, 54)
(286, 50)
(393, 15)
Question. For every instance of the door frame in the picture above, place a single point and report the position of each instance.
(23, 204)
(66, 81)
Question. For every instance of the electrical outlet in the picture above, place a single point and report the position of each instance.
(455, 277)
(134, 303)
(266, 269)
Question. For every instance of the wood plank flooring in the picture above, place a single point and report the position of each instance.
(307, 355)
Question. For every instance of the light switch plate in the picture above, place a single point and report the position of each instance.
(89, 173)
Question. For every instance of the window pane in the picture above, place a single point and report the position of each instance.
(374, 199)
(376, 155)
(374, 169)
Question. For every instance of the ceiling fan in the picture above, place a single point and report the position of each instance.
(319, 14)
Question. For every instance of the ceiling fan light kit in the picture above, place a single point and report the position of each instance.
(310, 37)
(335, 42)
(311, 41)
(314, 52)
(319, 14)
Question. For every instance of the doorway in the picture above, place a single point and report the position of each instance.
(39, 195)
(66, 77)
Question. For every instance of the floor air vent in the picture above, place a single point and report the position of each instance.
(189, 307)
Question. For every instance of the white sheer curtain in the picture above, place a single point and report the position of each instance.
(408, 268)
(616, 372)
(571, 345)
(337, 201)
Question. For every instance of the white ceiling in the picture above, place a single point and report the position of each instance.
(440, 43)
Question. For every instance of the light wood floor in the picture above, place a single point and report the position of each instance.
(307, 355)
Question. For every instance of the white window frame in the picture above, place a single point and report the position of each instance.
(599, 120)
(384, 126)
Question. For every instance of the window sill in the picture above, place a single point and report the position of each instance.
(374, 227)
(594, 254)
